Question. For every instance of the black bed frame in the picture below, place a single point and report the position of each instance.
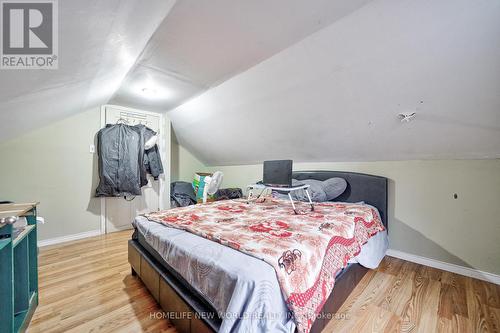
(190, 312)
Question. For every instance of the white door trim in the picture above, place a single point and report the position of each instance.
(163, 132)
(103, 200)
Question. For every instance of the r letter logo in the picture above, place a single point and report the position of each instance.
(29, 34)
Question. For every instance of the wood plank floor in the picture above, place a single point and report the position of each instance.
(86, 286)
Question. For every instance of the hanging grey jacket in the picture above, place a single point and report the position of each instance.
(122, 160)
(152, 157)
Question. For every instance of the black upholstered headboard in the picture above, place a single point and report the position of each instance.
(360, 187)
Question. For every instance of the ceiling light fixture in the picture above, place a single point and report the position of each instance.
(149, 92)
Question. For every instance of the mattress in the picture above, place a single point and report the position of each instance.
(244, 290)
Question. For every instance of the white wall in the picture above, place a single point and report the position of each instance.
(184, 164)
(53, 165)
(424, 218)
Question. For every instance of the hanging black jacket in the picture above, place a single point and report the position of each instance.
(123, 163)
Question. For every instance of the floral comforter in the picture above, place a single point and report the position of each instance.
(306, 250)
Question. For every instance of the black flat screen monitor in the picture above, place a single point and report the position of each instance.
(278, 173)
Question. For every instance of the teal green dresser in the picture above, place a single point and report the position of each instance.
(18, 268)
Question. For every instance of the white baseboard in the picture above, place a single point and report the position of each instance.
(466, 271)
(121, 228)
(68, 238)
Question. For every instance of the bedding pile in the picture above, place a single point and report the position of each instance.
(306, 250)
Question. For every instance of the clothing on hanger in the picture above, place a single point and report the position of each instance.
(123, 160)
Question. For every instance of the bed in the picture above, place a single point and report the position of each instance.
(195, 280)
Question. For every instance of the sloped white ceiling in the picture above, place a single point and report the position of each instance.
(203, 43)
(335, 95)
(99, 42)
(319, 80)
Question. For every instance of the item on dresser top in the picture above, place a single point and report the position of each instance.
(123, 160)
(8, 220)
(21, 222)
(16, 231)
